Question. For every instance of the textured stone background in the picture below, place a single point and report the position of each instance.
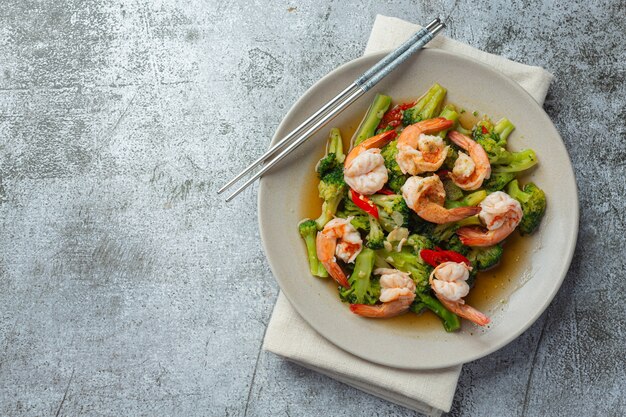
(128, 288)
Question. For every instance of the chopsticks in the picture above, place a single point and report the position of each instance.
(336, 105)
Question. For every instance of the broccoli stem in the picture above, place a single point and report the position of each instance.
(451, 321)
(308, 231)
(372, 118)
(449, 112)
(360, 277)
(335, 145)
(329, 208)
(426, 107)
(433, 104)
(503, 128)
(472, 199)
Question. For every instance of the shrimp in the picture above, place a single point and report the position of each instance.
(469, 171)
(417, 151)
(396, 294)
(426, 196)
(500, 214)
(349, 246)
(448, 281)
(364, 167)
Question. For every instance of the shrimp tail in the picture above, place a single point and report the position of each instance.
(377, 141)
(435, 213)
(466, 311)
(434, 125)
(337, 273)
(477, 236)
(381, 311)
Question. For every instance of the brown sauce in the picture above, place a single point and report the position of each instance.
(492, 287)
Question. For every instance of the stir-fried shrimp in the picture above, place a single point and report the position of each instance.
(366, 174)
(500, 214)
(426, 196)
(418, 152)
(448, 281)
(338, 239)
(397, 292)
(471, 170)
(364, 167)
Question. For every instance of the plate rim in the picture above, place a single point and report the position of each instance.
(571, 239)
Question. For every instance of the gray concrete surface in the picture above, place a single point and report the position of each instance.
(128, 288)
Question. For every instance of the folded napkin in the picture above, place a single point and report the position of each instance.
(288, 335)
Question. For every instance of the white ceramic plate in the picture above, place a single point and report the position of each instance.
(475, 87)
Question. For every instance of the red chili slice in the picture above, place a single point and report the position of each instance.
(393, 117)
(437, 256)
(364, 203)
(385, 191)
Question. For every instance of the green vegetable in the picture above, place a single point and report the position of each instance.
(503, 129)
(449, 112)
(374, 115)
(451, 322)
(472, 199)
(419, 242)
(533, 202)
(426, 107)
(498, 181)
(332, 188)
(396, 178)
(375, 239)
(364, 289)
(308, 231)
(485, 258)
(361, 222)
(453, 192)
(334, 154)
(393, 211)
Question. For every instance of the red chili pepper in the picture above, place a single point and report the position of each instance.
(393, 117)
(438, 256)
(385, 191)
(484, 129)
(364, 203)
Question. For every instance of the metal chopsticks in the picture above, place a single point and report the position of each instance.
(331, 109)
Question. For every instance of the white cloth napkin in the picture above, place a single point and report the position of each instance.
(288, 335)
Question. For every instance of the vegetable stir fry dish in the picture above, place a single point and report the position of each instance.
(417, 208)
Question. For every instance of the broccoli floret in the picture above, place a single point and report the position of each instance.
(451, 157)
(453, 192)
(419, 225)
(426, 107)
(396, 178)
(454, 243)
(372, 118)
(533, 202)
(360, 223)
(375, 239)
(393, 211)
(417, 306)
(504, 161)
(485, 258)
(334, 154)
(308, 231)
(364, 289)
(407, 261)
(332, 187)
(472, 199)
(419, 242)
(498, 181)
